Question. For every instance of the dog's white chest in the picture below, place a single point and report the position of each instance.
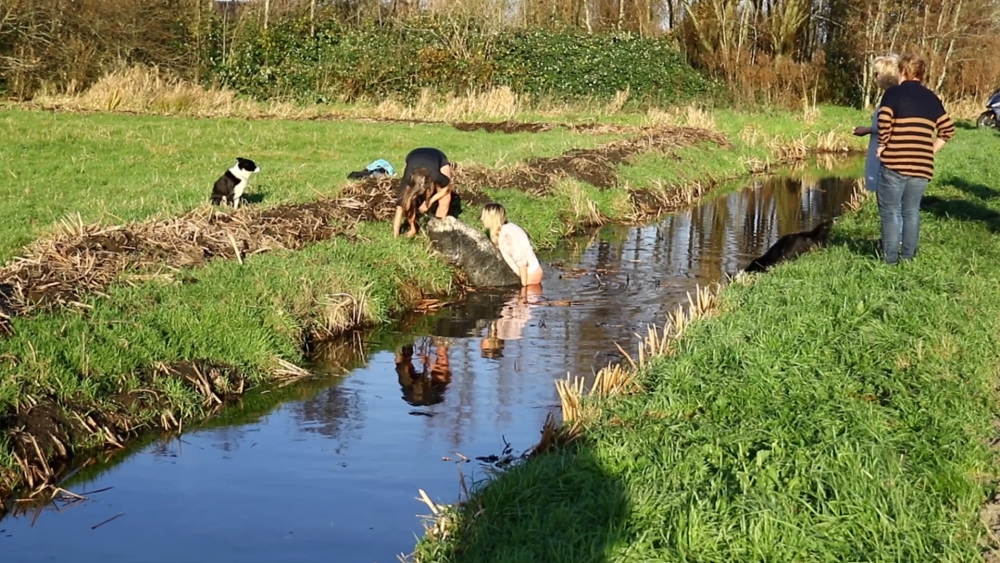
(238, 189)
(244, 177)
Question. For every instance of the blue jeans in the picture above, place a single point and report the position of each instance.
(899, 208)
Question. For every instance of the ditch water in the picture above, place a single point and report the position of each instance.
(329, 470)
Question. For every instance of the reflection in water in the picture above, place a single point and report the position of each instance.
(426, 387)
(284, 486)
(516, 313)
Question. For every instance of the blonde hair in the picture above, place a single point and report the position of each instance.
(420, 184)
(913, 67)
(886, 71)
(493, 217)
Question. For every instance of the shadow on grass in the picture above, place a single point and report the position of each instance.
(868, 247)
(962, 210)
(979, 191)
(255, 197)
(946, 208)
(558, 508)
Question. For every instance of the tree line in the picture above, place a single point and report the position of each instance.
(760, 51)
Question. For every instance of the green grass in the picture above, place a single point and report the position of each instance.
(115, 168)
(836, 410)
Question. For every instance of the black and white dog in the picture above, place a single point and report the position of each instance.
(230, 186)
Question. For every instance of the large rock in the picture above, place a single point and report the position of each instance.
(471, 251)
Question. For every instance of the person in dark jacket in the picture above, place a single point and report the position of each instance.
(427, 179)
(912, 127)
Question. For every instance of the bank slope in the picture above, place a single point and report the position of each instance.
(836, 410)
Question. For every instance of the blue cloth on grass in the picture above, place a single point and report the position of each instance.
(381, 164)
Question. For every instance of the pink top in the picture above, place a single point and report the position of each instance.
(516, 248)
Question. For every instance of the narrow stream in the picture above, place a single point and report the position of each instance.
(329, 470)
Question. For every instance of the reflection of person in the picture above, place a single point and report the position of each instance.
(516, 313)
(908, 119)
(490, 346)
(513, 243)
(886, 71)
(423, 388)
(441, 368)
(427, 179)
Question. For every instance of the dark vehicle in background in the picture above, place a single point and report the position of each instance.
(990, 117)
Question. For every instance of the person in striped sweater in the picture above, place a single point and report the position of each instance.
(912, 127)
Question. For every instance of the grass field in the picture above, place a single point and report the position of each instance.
(836, 409)
(108, 356)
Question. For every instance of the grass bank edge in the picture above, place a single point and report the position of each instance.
(912, 391)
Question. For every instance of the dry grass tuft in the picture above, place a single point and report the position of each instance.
(697, 117)
(496, 103)
(663, 198)
(443, 519)
(618, 102)
(830, 142)
(752, 134)
(555, 436)
(614, 380)
(965, 108)
(287, 373)
(858, 197)
(754, 165)
(617, 379)
(785, 150)
(810, 112)
(690, 115)
(141, 89)
(835, 142)
(584, 211)
(571, 398)
(343, 311)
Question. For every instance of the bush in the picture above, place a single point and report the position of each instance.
(372, 61)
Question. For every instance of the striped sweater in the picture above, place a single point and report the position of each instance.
(909, 116)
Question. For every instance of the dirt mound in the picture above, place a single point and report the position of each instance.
(85, 258)
(505, 126)
(597, 166)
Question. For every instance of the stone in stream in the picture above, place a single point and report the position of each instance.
(470, 251)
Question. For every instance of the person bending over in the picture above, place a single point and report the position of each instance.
(427, 179)
(513, 243)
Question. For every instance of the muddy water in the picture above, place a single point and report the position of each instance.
(329, 470)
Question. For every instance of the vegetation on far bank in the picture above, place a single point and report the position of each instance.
(660, 51)
(833, 409)
(175, 342)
